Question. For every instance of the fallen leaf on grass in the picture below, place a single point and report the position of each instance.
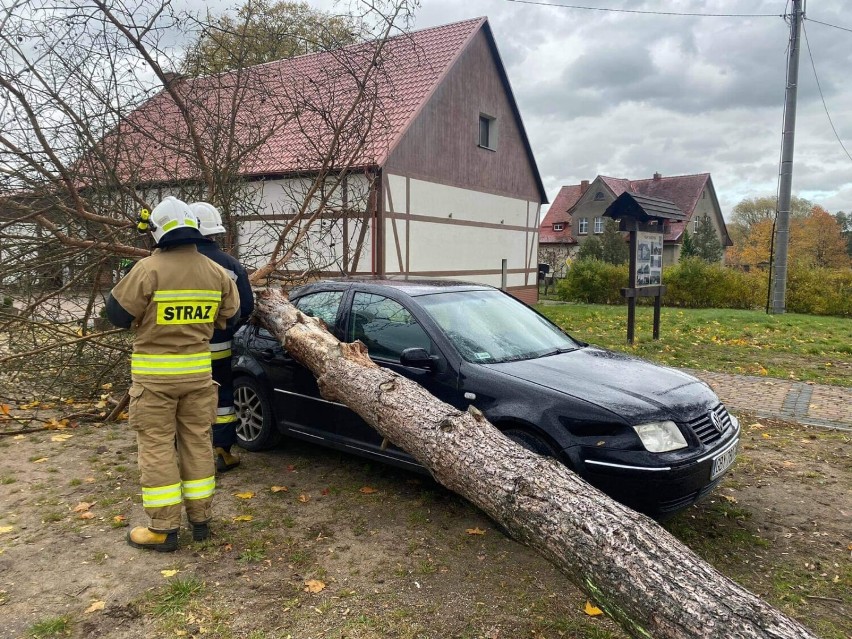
(5, 408)
(246, 495)
(119, 518)
(314, 585)
(56, 424)
(475, 531)
(304, 498)
(83, 506)
(87, 515)
(729, 498)
(107, 386)
(5, 529)
(243, 518)
(61, 438)
(278, 489)
(18, 437)
(169, 573)
(96, 605)
(40, 460)
(766, 436)
(367, 490)
(592, 610)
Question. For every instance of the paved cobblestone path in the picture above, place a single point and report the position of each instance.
(807, 403)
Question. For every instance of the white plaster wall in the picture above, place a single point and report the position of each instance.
(443, 246)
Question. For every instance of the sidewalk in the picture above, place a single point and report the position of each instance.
(812, 404)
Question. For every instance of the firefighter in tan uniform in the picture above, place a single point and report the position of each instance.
(174, 299)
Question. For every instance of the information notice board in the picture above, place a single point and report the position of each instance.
(649, 259)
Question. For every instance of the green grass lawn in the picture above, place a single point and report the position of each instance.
(790, 346)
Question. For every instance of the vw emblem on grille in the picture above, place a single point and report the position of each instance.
(716, 421)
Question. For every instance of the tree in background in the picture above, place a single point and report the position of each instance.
(265, 32)
(816, 240)
(687, 247)
(844, 221)
(614, 248)
(819, 240)
(707, 244)
(591, 249)
(752, 211)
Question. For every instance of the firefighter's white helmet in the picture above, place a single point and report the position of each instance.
(173, 222)
(209, 219)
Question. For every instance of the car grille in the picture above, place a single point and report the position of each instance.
(705, 429)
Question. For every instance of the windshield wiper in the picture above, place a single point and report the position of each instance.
(558, 351)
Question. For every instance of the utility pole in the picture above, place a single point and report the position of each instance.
(785, 186)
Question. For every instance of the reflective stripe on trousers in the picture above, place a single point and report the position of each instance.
(226, 414)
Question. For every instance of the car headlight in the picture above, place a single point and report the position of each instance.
(659, 437)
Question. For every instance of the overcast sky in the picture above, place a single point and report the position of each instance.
(625, 95)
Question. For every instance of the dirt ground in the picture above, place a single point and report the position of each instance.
(311, 544)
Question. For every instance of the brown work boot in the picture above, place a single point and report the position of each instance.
(147, 539)
(201, 531)
(225, 461)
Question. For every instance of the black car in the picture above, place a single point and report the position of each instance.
(652, 437)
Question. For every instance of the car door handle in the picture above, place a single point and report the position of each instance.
(267, 355)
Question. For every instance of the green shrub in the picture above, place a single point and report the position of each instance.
(819, 291)
(593, 282)
(694, 283)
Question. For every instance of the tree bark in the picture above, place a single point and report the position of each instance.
(633, 569)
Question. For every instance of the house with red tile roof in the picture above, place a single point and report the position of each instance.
(441, 179)
(577, 212)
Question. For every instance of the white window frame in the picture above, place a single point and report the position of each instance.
(583, 226)
(491, 132)
(599, 225)
(558, 226)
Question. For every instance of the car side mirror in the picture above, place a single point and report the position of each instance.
(417, 357)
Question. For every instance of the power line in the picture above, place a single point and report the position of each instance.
(655, 13)
(822, 97)
(833, 26)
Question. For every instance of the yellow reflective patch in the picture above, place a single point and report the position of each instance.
(186, 312)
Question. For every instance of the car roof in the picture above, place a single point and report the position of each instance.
(412, 288)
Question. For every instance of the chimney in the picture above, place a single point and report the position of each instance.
(584, 186)
(657, 176)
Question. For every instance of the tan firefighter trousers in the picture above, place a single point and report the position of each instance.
(172, 422)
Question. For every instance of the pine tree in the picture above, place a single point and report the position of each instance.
(707, 244)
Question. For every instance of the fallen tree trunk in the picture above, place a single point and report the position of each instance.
(643, 577)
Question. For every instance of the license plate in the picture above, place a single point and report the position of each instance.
(723, 462)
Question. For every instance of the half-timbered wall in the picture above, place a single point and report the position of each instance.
(435, 230)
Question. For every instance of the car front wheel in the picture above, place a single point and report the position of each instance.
(256, 429)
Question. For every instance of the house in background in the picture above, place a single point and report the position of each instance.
(445, 185)
(577, 211)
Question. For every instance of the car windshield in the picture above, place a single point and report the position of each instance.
(488, 327)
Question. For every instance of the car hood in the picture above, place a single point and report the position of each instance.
(629, 387)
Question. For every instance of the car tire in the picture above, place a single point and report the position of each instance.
(531, 442)
(256, 429)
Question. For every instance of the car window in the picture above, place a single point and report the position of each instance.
(323, 305)
(488, 326)
(385, 327)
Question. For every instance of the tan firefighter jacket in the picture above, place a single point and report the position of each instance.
(176, 297)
